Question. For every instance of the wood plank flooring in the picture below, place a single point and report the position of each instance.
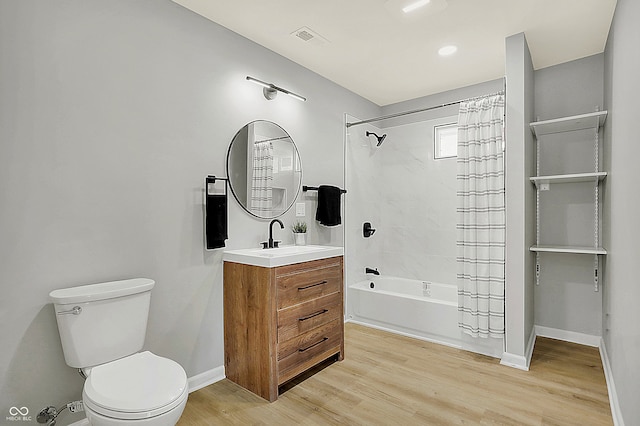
(386, 379)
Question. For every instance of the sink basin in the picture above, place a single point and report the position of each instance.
(285, 255)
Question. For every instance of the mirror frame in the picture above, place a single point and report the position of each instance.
(296, 153)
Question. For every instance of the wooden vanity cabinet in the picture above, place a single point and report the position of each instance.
(281, 321)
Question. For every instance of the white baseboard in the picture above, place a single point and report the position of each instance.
(530, 346)
(521, 362)
(205, 379)
(616, 413)
(514, 361)
(568, 336)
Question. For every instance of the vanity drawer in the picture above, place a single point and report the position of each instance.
(300, 353)
(318, 278)
(301, 318)
(281, 321)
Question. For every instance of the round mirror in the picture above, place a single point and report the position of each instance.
(264, 169)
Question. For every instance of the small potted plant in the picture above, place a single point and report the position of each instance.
(300, 233)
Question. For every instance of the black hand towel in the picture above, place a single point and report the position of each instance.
(328, 212)
(216, 221)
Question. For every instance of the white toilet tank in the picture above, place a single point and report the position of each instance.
(99, 323)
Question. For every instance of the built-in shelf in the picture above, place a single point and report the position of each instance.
(592, 120)
(569, 178)
(568, 249)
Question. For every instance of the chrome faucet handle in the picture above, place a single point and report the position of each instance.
(76, 310)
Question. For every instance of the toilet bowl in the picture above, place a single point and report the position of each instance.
(141, 389)
(102, 329)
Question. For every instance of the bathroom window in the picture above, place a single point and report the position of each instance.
(445, 141)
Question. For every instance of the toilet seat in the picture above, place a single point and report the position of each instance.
(139, 386)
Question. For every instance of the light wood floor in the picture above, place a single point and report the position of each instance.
(386, 379)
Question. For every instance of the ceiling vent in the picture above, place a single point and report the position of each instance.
(307, 35)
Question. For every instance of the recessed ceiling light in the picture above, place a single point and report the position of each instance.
(447, 50)
(415, 5)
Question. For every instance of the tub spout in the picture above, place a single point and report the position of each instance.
(371, 271)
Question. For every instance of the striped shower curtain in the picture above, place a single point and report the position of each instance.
(481, 217)
(262, 179)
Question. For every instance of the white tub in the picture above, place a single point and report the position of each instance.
(422, 309)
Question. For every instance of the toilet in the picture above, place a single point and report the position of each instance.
(102, 329)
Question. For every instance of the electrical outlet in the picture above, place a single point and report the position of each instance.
(300, 209)
(426, 288)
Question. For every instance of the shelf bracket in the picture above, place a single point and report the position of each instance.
(596, 273)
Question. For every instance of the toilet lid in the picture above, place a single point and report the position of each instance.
(141, 383)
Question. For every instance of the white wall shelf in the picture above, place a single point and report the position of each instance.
(569, 178)
(592, 120)
(568, 249)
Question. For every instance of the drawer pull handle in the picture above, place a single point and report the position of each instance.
(315, 314)
(315, 344)
(312, 285)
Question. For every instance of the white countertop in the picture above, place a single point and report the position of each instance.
(284, 255)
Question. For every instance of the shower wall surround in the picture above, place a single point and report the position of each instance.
(409, 198)
(363, 201)
(406, 195)
(418, 209)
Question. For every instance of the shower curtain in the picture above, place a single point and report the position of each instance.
(262, 178)
(481, 217)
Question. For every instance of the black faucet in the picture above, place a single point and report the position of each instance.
(273, 244)
(371, 271)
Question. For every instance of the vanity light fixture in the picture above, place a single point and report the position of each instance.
(415, 5)
(270, 90)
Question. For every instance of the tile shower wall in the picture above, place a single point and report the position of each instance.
(363, 181)
(417, 205)
(409, 198)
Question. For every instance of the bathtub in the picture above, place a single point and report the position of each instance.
(414, 308)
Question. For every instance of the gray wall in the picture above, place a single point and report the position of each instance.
(565, 298)
(111, 114)
(621, 291)
(520, 198)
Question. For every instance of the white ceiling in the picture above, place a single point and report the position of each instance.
(375, 50)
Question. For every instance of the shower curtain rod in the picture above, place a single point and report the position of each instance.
(273, 139)
(400, 114)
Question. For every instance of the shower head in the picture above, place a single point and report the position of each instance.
(380, 138)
